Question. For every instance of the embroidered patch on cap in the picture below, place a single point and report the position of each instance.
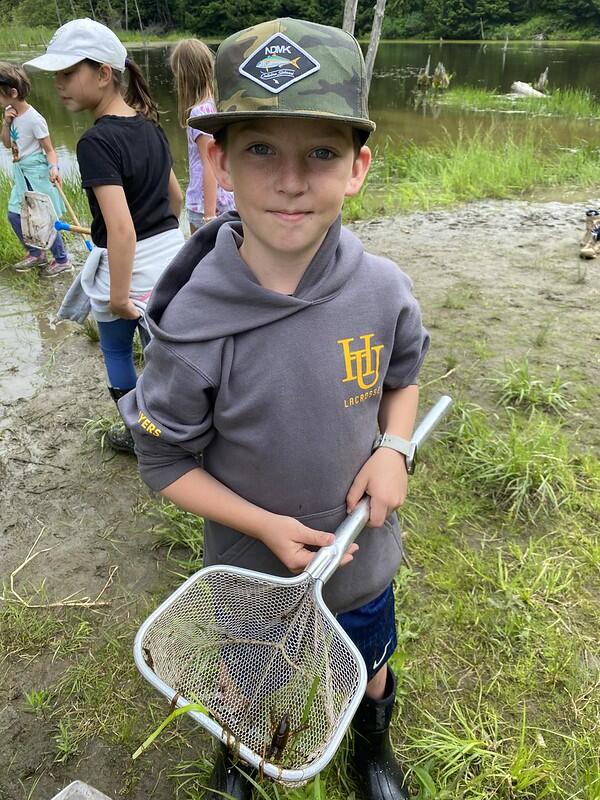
(278, 63)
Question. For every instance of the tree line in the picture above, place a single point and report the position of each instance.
(450, 19)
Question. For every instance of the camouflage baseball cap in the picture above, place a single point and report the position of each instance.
(289, 68)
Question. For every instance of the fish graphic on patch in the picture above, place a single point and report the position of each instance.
(277, 62)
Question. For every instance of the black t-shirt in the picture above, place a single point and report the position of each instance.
(131, 152)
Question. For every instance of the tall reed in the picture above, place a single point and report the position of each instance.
(490, 164)
(10, 248)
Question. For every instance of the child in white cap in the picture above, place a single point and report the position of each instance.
(134, 196)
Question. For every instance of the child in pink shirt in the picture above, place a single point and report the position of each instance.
(192, 65)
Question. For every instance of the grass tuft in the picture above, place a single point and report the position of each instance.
(28, 632)
(99, 427)
(90, 329)
(38, 701)
(176, 529)
(67, 742)
(525, 470)
(518, 389)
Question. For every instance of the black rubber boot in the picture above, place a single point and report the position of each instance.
(118, 435)
(377, 772)
(228, 779)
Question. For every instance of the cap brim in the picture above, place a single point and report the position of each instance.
(211, 123)
(53, 62)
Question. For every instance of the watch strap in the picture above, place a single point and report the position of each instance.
(400, 445)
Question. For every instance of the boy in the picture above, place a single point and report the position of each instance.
(279, 346)
(25, 133)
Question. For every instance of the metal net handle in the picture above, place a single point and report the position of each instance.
(328, 559)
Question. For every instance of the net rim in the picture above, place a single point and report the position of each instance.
(272, 770)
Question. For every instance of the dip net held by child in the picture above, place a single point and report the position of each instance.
(277, 673)
(267, 659)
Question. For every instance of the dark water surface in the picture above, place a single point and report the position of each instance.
(391, 102)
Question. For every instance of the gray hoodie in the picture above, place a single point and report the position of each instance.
(277, 394)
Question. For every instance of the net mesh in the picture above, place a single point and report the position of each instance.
(251, 652)
(37, 219)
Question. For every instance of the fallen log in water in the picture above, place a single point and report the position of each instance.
(523, 89)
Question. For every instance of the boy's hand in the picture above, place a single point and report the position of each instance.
(385, 479)
(288, 540)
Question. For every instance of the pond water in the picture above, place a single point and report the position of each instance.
(488, 65)
(17, 337)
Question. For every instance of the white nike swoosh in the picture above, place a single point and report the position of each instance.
(378, 663)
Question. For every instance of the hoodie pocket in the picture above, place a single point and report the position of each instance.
(325, 520)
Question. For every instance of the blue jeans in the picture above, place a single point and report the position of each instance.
(58, 248)
(116, 343)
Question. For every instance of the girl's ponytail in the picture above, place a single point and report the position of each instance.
(138, 92)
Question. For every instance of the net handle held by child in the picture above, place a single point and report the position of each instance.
(73, 216)
(345, 533)
(325, 563)
(66, 226)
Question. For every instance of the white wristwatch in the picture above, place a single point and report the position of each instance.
(400, 445)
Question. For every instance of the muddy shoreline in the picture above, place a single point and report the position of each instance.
(496, 280)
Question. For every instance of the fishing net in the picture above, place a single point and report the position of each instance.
(252, 651)
(37, 220)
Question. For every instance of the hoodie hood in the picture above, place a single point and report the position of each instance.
(208, 292)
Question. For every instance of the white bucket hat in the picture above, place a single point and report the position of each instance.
(79, 39)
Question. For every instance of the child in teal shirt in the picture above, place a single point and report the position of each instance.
(25, 133)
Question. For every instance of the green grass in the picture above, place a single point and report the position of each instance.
(97, 693)
(67, 742)
(15, 36)
(38, 700)
(499, 684)
(180, 532)
(11, 249)
(90, 330)
(525, 467)
(25, 633)
(519, 389)
(459, 296)
(98, 428)
(572, 103)
(486, 165)
(77, 198)
(547, 24)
